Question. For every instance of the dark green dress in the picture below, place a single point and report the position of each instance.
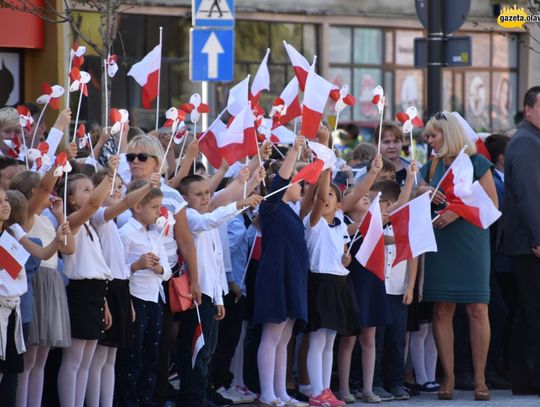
(459, 270)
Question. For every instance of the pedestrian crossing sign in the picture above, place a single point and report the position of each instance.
(213, 13)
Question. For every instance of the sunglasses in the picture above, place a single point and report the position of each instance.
(142, 157)
(440, 116)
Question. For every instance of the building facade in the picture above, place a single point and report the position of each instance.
(361, 43)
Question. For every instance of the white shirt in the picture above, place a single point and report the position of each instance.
(205, 230)
(87, 261)
(325, 246)
(145, 283)
(44, 230)
(113, 249)
(395, 278)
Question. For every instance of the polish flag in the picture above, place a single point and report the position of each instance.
(238, 98)
(146, 74)
(315, 96)
(234, 143)
(465, 198)
(324, 158)
(261, 81)
(287, 106)
(299, 63)
(208, 143)
(371, 253)
(413, 231)
(473, 136)
(197, 344)
(13, 256)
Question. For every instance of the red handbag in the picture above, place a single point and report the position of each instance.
(180, 298)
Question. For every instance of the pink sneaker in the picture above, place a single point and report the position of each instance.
(332, 397)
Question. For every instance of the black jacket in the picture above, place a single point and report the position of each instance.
(522, 191)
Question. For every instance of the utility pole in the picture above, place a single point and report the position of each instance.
(435, 49)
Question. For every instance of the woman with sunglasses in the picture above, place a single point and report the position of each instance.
(459, 271)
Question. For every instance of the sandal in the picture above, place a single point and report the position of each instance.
(445, 395)
(481, 394)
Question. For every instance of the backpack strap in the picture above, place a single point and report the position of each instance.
(432, 168)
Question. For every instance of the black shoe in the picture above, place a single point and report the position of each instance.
(464, 381)
(412, 388)
(217, 400)
(298, 395)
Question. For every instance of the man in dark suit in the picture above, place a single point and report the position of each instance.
(522, 242)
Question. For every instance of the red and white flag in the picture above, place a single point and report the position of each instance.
(473, 136)
(238, 98)
(371, 253)
(300, 64)
(261, 81)
(465, 198)
(208, 142)
(324, 158)
(315, 97)
(231, 143)
(13, 256)
(197, 344)
(413, 230)
(146, 74)
(287, 106)
(51, 95)
(256, 248)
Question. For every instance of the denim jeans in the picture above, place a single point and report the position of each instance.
(194, 380)
(390, 345)
(136, 368)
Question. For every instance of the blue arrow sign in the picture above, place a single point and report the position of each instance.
(212, 13)
(211, 55)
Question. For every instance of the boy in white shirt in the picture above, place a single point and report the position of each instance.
(204, 222)
(147, 261)
(399, 281)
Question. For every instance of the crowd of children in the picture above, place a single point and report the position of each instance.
(278, 275)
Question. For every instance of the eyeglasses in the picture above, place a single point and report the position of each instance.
(142, 157)
(440, 116)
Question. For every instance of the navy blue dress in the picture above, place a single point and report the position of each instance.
(281, 283)
(370, 291)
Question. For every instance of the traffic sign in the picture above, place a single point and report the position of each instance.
(454, 13)
(212, 13)
(456, 52)
(211, 55)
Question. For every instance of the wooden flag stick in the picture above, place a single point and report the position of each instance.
(168, 148)
(180, 156)
(24, 147)
(195, 137)
(106, 76)
(245, 182)
(117, 153)
(259, 154)
(159, 75)
(37, 124)
(77, 115)
(412, 156)
(281, 189)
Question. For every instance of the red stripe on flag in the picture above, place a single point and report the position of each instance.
(210, 149)
(9, 263)
(301, 75)
(400, 224)
(257, 248)
(375, 263)
(150, 89)
(469, 213)
(364, 226)
(311, 122)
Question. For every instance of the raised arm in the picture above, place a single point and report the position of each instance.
(191, 154)
(131, 199)
(288, 165)
(232, 192)
(407, 189)
(218, 176)
(363, 187)
(96, 198)
(321, 197)
(45, 253)
(41, 193)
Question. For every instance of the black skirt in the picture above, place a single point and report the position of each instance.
(14, 362)
(119, 335)
(330, 304)
(86, 301)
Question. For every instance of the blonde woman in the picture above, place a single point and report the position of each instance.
(459, 271)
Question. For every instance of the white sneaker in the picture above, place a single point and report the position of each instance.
(245, 391)
(238, 396)
(225, 394)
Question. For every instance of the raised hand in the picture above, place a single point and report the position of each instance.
(63, 119)
(251, 201)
